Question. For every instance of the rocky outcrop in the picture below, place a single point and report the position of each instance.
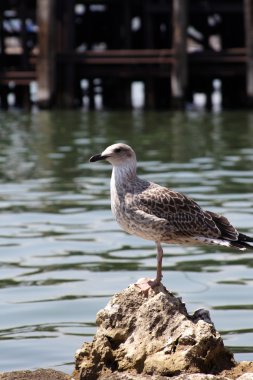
(185, 376)
(151, 335)
(39, 374)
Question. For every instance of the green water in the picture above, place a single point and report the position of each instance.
(61, 253)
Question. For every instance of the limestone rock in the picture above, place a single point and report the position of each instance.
(246, 376)
(152, 334)
(39, 374)
(242, 371)
(186, 376)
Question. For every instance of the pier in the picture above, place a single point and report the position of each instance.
(69, 53)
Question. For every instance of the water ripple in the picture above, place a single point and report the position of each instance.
(61, 253)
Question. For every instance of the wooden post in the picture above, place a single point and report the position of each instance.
(46, 59)
(22, 97)
(3, 87)
(3, 96)
(126, 5)
(23, 34)
(2, 47)
(248, 16)
(66, 75)
(179, 68)
(149, 93)
(148, 41)
(91, 95)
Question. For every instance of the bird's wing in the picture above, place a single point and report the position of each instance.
(183, 215)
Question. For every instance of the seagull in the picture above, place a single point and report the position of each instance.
(157, 213)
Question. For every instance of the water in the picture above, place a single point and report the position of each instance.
(61, 253)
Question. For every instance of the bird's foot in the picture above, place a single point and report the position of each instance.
(144, 284)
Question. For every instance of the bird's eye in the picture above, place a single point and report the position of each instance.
(117, 150)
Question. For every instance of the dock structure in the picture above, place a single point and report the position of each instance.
(66, 53)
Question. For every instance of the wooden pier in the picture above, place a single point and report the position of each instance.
(71, 50)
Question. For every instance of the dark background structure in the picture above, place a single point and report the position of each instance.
(71, 49)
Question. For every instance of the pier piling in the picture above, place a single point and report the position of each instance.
(176, 48)
(45, 66)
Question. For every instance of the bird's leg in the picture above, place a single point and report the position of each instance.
(145, 284)
(159, 275)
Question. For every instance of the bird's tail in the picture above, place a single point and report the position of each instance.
(242, 242)
(229, 234)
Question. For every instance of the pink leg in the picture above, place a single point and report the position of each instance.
(159, 275)
(145, 284)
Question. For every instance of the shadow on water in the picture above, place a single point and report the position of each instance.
(61, 253)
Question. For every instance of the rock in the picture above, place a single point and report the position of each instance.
(242, 371)
(186, 376)
(39, 374)
(199, 376)
(246, 376)
(152, 334)
(149, 337)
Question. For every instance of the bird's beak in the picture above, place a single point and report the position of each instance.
(98, 157)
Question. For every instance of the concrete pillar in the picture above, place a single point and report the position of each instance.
(179, 67)
(46, 59)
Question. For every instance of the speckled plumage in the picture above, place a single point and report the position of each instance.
(157, 213)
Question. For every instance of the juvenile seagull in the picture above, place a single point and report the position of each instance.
(156, 213)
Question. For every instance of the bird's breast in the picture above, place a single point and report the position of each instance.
(121, 205)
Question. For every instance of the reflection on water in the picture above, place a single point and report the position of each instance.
(61, 253)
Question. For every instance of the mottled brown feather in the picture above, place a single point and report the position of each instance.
(184, 215)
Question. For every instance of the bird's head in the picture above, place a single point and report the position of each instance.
(117, 154)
